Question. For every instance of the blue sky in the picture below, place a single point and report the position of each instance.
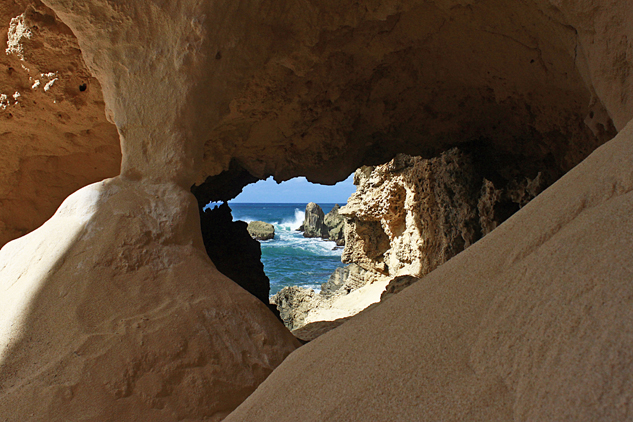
(297, 190)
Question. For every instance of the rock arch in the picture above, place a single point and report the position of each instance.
(285, 89)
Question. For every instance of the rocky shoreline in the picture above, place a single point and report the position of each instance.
(407, 217)
(330, 226)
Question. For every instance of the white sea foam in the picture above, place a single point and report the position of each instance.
(315, 287)
(295, 240)
(294, 223)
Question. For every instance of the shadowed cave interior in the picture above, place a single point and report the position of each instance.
(502, 98)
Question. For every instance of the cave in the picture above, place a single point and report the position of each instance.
(120, 118)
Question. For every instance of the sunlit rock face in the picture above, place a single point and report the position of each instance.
(113, 311)
(411, 215)
(320, 89)
(53, 132)
(99, 299)
(531, 323)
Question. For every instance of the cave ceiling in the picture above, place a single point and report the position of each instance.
(316, 89)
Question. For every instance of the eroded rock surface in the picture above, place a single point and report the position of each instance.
(409, 216)
(313, 225)
(531, 323)
(53, 132)
(122, 316)
(295, 90)
(330, 226)
(345, 294)
(294, 303)
(335, 224)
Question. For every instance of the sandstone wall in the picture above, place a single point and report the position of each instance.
(53, 132)
(286, 90)
(531, 323)
(112, 309)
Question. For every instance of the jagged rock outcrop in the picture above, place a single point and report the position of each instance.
(336, 280)
(530, 323)
(330, 226)
(411, 215)
(313, 225)
(335, 224)
(294, 303)
(347, 278)
(341, 297)
(408, 217)
(260, 230)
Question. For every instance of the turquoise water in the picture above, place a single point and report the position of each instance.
(290, 259)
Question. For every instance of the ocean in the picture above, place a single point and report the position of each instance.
(291, 259)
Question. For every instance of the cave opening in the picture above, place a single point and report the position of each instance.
(491, 101)
(412, 210)
(273, 235)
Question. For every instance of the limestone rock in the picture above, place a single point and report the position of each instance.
(328, 227)
(313, 225)
(411, 215)
(348, 291)
(335, 224)
(544, 87)
(121, 315)
(335, 281)
(260, 230)
(294, 303)
(54, 135)
(349, 277)
(527, 324)
(531, 323)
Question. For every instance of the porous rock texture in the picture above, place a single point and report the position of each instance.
(335, 224)
(320, 88)
(294, 303)
(54, 135)
(406, 218)
(410, 215)
(347, 292)
(533, 322)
